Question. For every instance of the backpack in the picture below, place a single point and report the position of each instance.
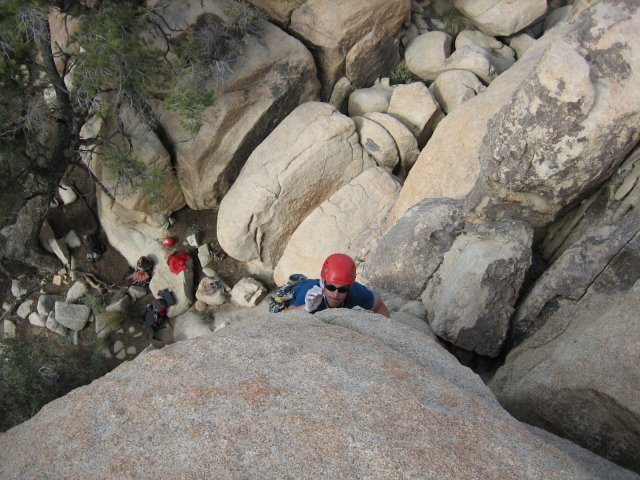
(281, 299)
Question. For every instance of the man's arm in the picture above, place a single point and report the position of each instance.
(380, 307)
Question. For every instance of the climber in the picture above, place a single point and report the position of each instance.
(336, 288)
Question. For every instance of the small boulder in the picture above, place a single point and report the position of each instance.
(248, 292)
(373, 99)
(416, 108)
(37, 320)
(76, 292)
(25, 309)
(72, 316)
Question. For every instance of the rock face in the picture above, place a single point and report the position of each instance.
(332, 29)
(577, 375)
(502, 17)
(311, 154)
(245, 110)
(407, 255)
(544, 133)
(345, 222)
(290, 396)
(470, 298)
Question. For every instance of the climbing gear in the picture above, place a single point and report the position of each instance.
(155, 313)
(141, 275)
(178, 262)
(339, 268)
(284, 295)
(168, 242)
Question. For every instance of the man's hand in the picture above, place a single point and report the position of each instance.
(313, 298)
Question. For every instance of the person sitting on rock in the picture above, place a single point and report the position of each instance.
(336, 288)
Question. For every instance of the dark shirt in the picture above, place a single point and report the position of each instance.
(358, 296)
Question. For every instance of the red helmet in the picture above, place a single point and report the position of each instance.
(339, 268)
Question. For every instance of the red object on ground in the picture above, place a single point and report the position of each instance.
(178, 262)
(168, 242)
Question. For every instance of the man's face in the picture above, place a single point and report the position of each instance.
(335, 293)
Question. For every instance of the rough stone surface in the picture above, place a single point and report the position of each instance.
(345, 223)
(370, 58)
(373, 99)
(247, 292)
(501, 18)
(416, 108)
(72, 316)
(332, 29)
(387, 402)
(544, 133)
(470, 298)
(578, 375)
(378, 142)
(245, 110)
(425, 56)
(310, 155)
(452, 88)
(76, 292)
(406, 257)
(405, 141)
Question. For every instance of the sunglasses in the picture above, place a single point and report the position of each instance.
(333, 288)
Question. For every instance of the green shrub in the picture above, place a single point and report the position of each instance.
(35, 372)
(401, 75)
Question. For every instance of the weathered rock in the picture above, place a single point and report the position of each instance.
(452, 88)
(416, 108)
(501, 56)
(406, 143)
(247, 292)
(501, 18)
(311, 154)
(470, 298)
(46, 303)
(580, 245)
(245, 110)
(425, 56)
(332, 29)
(8, 328)
(278, 11)
(76, 292)
(378, 142)
(140, 142)
(521, 43)
(25, 308)
(472, 59)
(340, 94)
(372, 57)
(515, 161)
(53, 325)
(37, 320)
(578, 374)
(343, 223)
(368, 389)
(557, 16)
(72, 316)
(72, 239)
(373, 99)
(407, 255)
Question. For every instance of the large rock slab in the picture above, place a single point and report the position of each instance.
(503, 17)
(310, 155)
(470, 298)
(245, 110)
(579, 374)
(580, 245)
(386, 403)
(345, 223)
(332, 29)
(531, 163)
(406, 257)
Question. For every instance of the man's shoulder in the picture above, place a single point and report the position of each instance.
(361, 296)
(301, 289)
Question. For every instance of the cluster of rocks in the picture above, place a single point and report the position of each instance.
(512, 148)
